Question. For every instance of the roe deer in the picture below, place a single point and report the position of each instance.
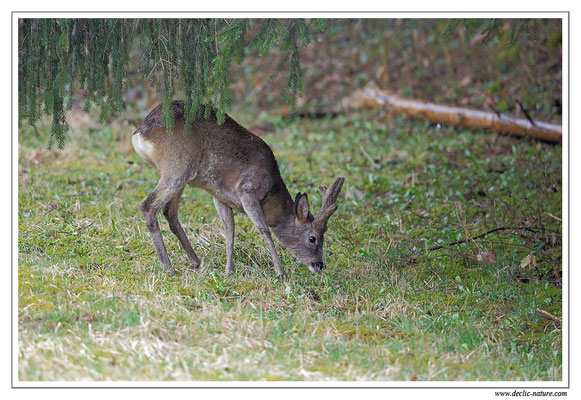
(240, 172)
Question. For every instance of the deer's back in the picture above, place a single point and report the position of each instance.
(222, 159)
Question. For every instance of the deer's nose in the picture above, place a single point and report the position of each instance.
(320, 265)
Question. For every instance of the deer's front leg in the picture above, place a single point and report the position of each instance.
(227, 217)
(252, 208)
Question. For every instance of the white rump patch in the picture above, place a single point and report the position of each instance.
(142, 147)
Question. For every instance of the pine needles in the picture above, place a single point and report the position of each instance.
(59, 58)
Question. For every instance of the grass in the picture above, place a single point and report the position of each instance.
(93, 303)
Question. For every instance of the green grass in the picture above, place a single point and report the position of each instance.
(94, 304)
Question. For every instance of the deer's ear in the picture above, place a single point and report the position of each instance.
(297, 197)
(302, 208)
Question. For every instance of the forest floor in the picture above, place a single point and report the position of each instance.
(94, 303)
(444, 259)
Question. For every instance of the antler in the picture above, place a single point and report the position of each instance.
(329, 206)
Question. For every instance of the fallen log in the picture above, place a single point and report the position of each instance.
(463, 117)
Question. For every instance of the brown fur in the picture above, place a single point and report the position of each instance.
(240, 171)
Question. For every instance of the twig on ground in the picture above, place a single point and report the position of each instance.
(525, 112)
(553, 216)
(367, 156)
(500, 228)
(549, 315)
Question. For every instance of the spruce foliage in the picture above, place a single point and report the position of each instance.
(56, 57)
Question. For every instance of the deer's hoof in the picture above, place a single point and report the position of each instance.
(196, 265)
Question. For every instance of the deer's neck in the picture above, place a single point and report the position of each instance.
(279, 210)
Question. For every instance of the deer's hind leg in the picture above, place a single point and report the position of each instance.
(170, 211)
(165, 190)
(227, 217)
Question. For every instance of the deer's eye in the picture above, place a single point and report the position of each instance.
(312, 239)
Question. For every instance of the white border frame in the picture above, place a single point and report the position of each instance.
(501, 385)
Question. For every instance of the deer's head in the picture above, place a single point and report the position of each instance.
(305, 237)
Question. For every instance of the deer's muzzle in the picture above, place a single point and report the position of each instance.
(317, 266)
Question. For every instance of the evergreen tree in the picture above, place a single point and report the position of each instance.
(59, 56)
